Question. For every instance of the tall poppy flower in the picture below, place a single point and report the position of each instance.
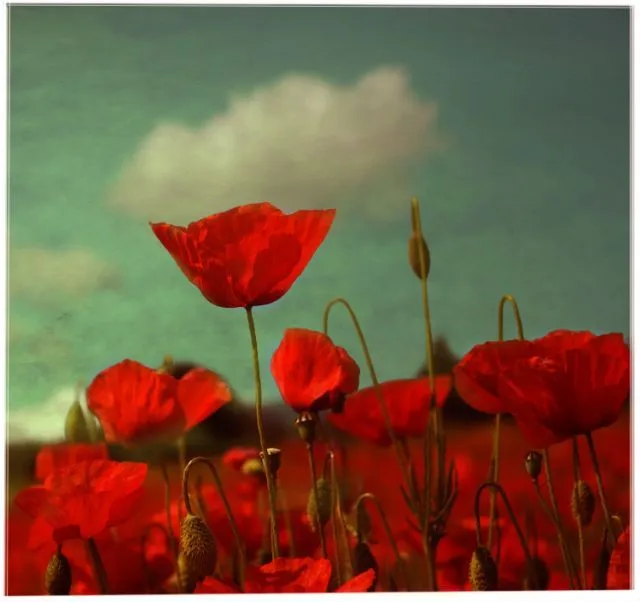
(575, 383)
(290, 576)
(134, 402)
(311, 372)
(84, 499)
(407, 402)
(246, 256)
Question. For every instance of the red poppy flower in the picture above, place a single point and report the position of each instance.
(84, 499)
(618, 576)
(574, 384)
(408, 405)
(290, 576)
(55, 457)
(476, 375)
(134, 402)
(247, 256)
(237, 457)
(311, 372)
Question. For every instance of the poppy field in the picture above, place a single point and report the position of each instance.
(373, 490)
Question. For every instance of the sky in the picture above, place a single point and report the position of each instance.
(510, 125)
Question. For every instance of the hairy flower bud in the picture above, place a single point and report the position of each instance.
(363, 560)
(253, 468)
(198, 547)
(537, 577)
(583, 503)
(322, 512)
(306, 425)
(187, 580)
(57, 578)
(483, 572)
(76, 429)
(414, 255)
(533, 464)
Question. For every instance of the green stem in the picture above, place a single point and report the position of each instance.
(98, 566)
(314, 487)
(576, 480)
(275, 552)
(603, 498)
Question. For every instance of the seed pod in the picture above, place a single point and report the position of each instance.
(414, 255)
(57, 577)
(537, 577)
(76, 429)
(198, 547)
(273, 460)
(322, 512)
(483, 572)
(363, 560)
(187, 581)
(583, 503)
(533, 464)
(306, 425)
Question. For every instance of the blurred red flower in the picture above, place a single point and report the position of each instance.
(574, 383)
(237, 457)
(134, 402)
(619, 576)
(51, 458)
(290, 576)
(246, 256)
(311, 372)
(408, 405)
(84, 499)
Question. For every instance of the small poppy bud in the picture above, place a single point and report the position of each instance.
(253, 467)
(322, 512)
(76, 429)
(583, 503)
(187, 581)
(198, 547)
(533, 464)
(363, 560)
(483, 572)
(537, 577)
(273, 460)
(57, 578)
(306, 425)
(414, 255)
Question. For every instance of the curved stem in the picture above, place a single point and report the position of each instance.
(173, 542)
(516, 314)
(275, 552)
(223, 497)
(576, 480)
(314, 488)
(603, 498)
(98, 566)
(512, 517)
(387, 528)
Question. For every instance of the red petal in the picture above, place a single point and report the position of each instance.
(215, 586)
(619, 574)
(360, 583)
(56, 457)
(200, 394)
(290, 575)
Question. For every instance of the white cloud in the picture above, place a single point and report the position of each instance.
(301, 142)
(45, 275)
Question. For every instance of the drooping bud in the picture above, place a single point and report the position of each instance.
(306, 425)
(363, 560)
(537, 577)
(273, 460)
(198, 547)
(583, 503)
(322, 512)
(187, 580)
(483, 572)
(57, 577)
(414, 255)
(533, 464)
(76, 429)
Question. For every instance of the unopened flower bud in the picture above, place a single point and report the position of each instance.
(306, 425)
(537, 577)
(273, 460)
(57, 578)
(483, 572)
(363, 560)
(583, 503)
(414, 255)
(76, 429)
(198, 547)
(322, 512)
(533, 464)
(187, 581)
(253, 468)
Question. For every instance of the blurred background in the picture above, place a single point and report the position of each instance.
(510, 125)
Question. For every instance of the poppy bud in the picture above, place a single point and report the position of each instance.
(306, 425)
(198, 547)
(187, 580)
(76, 429)
(533, 464)
(363, 560)
(322, 512)
(537, 577)
(414, 255)
(483, 572)
(583, 503)
(273, 460)
(57, 577)
(253, 468)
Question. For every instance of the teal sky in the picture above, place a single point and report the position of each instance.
(511, 125)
